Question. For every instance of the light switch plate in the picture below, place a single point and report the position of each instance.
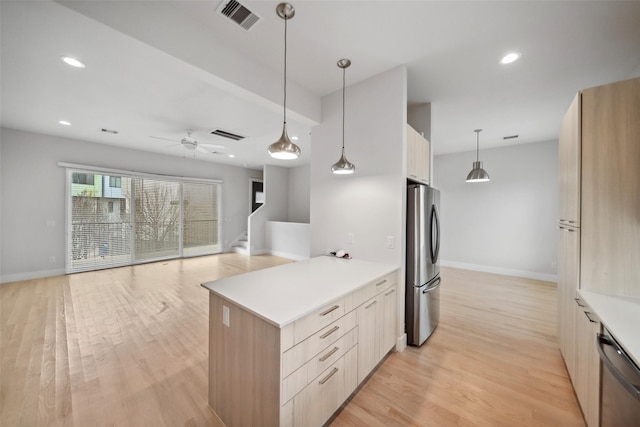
(351, 238)
(390, 242)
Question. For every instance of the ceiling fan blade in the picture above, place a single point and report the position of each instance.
(164, 139)
(204, 150)
(216, 146)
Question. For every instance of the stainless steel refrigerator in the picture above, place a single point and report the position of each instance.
(422, 310)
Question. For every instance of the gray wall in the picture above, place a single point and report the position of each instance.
(299, 182)
(507, 225)
(32, 189)
(369, 203)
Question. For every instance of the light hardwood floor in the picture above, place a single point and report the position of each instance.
(128, 347)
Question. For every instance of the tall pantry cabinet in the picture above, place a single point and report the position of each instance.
(599, 223)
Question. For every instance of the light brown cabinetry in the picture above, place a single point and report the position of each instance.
(586, 377)
(610, 215)
(299, 374)
(569, 163)
(599, 242)
(568, 277)
(418, 156)
(376, 325)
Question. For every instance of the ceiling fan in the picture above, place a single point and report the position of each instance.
(191, 144)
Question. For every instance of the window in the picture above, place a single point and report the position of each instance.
(115, 181)
(123, 220)
(82, 178)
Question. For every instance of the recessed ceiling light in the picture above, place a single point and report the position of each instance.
(64, 123)
(232, 155)
(295, 138)
(72, 61)
(510, 57)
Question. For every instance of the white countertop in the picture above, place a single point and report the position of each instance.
(621, 316)
(285, 293)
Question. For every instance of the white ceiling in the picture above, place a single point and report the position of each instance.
(157, 68)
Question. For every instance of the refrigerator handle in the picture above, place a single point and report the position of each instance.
(434, 219)
(432, 287)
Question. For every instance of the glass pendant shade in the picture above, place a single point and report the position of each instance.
(478, 174)
(343, 166)
(284, 148)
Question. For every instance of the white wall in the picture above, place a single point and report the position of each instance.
(288, 239)
(506, 225)
(369, 203)
(299, 182)
(419, 118)
(33, 194)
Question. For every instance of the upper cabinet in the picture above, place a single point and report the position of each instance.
(418, 157)
(610, 189)
(569, 162)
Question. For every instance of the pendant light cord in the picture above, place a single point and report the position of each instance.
(343, 84)
(477, 146)
(285, 70)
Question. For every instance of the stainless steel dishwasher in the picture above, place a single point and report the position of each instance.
(620, 402)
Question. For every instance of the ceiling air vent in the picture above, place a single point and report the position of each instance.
(510, 137)
(238, 14)
(227, 134)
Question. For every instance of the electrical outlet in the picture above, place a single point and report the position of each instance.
(390, 242)
(351, 238)
(225, 315)
(52, 259)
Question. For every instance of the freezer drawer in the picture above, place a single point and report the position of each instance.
(423, 311)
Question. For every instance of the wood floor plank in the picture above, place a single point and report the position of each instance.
(129, 347)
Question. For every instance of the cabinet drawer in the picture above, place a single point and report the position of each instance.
(314, 405)
(357, 298)
(312, 323)
(301, 353)
(301, 377)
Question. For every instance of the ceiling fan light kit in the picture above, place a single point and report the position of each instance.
(478, 174)
(284, 148)
(343, 166)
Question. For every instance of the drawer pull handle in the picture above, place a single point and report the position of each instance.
(329, 310)
(579, 302)
(586, 313)
(382, 282)
(325, 379)
(389, 293)
(326, 356)
(329, 332)
(372, 304)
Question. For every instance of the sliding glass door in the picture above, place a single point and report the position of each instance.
(157, 219)
(200, 222)
(122, 220)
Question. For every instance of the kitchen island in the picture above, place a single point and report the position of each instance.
(289, 344)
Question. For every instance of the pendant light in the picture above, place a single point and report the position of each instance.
(478, 174)
(284, 148)
(343, 166)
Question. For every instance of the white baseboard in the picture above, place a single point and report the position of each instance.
(401, 343)
(6, 278)
(500, 270)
